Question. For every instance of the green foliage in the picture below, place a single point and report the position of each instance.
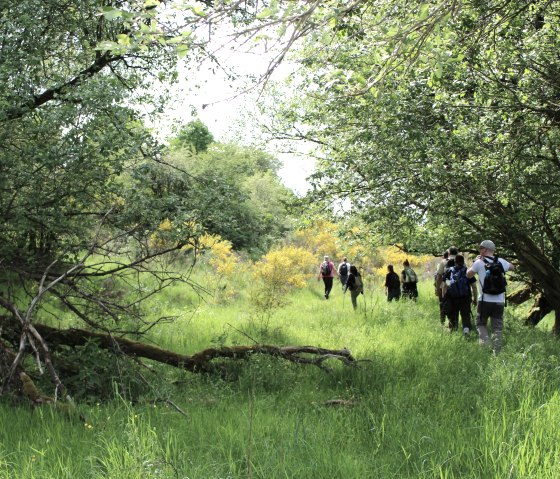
(92, 374)
(195, 135)
(443, 118)
(230, 190)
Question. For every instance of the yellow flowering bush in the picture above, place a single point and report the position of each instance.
(222, 257)
(289, 266)
(278, 272)
(320, 239)
(396, 257)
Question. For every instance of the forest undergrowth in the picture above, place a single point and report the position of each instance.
(419, 402)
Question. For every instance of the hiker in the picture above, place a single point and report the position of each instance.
(343, 270)
(491, 301)
(355, 285)
(438, 288)
(409, 282)
(327, 272)
(392, 284)
(458, 294)
(442, 268)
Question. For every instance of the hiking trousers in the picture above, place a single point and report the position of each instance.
(328, 280)
(494, 311)
(458, 306)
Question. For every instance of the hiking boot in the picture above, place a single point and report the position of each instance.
(466, 332)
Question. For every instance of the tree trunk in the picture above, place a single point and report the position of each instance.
(538, 311)
(541, 269)
(197, 363)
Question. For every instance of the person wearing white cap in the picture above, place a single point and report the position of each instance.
(491, 301)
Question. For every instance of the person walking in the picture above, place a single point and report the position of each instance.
(459, 292)
(355, 285)
(343, 272)
(443, 266)
(437, 286)
(409, 282)
(392, 284)
(327, 272)
(491, 301)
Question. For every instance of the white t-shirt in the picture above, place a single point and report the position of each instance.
(478, 268)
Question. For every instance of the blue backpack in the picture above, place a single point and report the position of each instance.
(458, 283)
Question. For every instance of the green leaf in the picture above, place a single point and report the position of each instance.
(111, 13)
(424, 11)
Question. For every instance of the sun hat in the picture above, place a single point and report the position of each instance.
(488, 245)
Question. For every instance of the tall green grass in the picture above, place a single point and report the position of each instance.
(422, 403)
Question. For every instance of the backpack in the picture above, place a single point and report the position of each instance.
(343, 269)
(458, 286)
(325, 268)
(494, 277)
(410, 275)
(358, 284)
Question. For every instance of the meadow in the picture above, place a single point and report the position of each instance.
(419, 403)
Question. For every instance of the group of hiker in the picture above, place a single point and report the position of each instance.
(351, 279)
(404, 285)
(349, 276)
(455, 286)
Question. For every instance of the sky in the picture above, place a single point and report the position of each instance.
(232, 116)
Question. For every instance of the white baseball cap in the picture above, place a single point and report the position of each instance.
(488, 245)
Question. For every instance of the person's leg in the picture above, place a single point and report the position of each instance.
(497, 321)
(481, 321)
(353, 296)
(452, 306)
(328, 286)
(441, 308)
(465, 312)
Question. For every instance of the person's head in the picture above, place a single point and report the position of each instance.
(486, 248)
(326, 258)
(390, 268)
(445, 254)
(406, 264)
(459, 260)
(453, 250)
(344, 259)
(354, 270)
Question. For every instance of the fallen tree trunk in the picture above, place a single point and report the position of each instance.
(520, 296)
(197, 363)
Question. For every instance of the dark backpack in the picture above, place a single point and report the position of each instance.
(494, 277)
(343, 269)
(458, 282)
(325, 268)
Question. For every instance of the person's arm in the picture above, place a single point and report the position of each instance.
(335, 271)
(474, 292)
(472, 270)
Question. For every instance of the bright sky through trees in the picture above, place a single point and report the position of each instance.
(225, 99)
